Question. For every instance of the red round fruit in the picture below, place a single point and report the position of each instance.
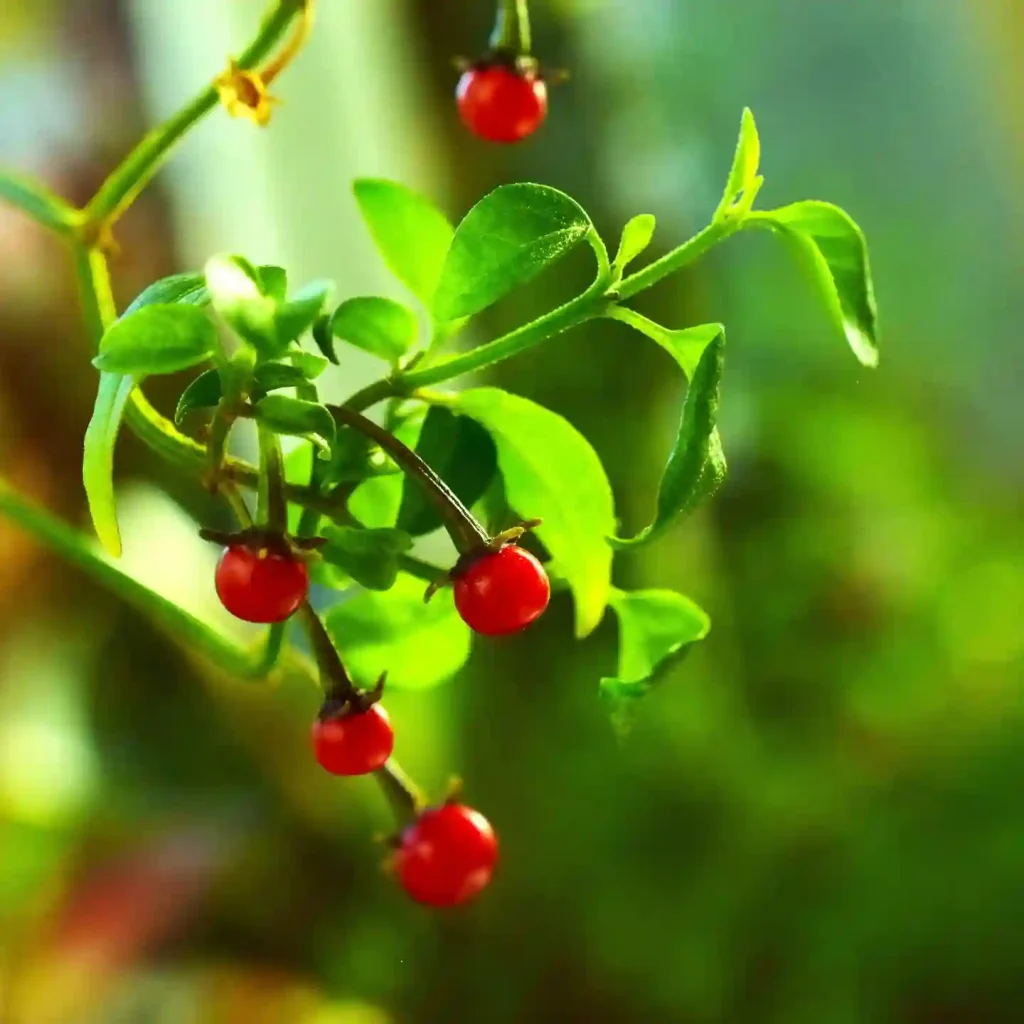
(354, 744)
(447, 856)
(501, 104)
(258, 585)
(502, 592)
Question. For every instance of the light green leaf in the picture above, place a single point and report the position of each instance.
(370, 557)
(235, 288)
(636, 236)
(380, 326)
(656, 627)
(98, 457)
(743, 183)
(274, 283)
(185, 289)
(696, 466)
(552, 473)
(410, 232)
(507, 239)
(832, 247)
(297, 418)
(271, 376)
(157, 339)
(38, 202)
(309, 364)
(203, 393)
(296, 316)
(418, 645)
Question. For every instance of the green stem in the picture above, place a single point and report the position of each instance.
(338, 686)
(270, 651)
(676, 259)
(402, 793)
(512, 28)
(123, 186)
(38, 202)
(273, 503)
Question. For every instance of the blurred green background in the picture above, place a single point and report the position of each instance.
(818, 819)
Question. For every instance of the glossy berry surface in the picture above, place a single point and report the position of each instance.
(448, 856)
(259, 585)
(354, 744)
(500, 104)
(503, 592)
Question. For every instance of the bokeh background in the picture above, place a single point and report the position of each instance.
(819, 818)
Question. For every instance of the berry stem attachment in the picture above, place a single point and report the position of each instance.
(339, 689)
(467, 534)
(512, 28)
(402, 793)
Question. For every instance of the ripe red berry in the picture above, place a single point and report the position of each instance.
(502, 592)
(501, 104)
(354, 744)
(258, 585)
(447, 856)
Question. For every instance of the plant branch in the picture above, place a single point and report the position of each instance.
(678, 258)
(512, 28)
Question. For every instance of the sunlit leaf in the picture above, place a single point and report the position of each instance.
(380, 326)
(157, 339)
(636, 237)
(297, 418)
(743, 178)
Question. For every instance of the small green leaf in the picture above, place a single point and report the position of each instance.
(417, 645)
(308, 364)
(507, 239)
(743, 179)
(410, 232)
(271, 376)
(552, 473)
(38, 202)
(377, 325)
(157, 339)
(186, 289)
(324, 338)
(696, 465)
(370, 557)
(462, 453)
(274, 283)
(235, 289)
(656, 627)
(296, 316)
(636, 236)
(833, 249)
(297, 418)
(203, 393)
(98, 457)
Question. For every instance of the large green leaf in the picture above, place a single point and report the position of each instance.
(377, 325)
(696, 465)
(552, 473)
(462, 453)
(410, 232)
(656, 627)
(157, 339)
(507, 239)
(418, 645)
(185, 289)
(370, 557)
(98, 457)
(832, 247)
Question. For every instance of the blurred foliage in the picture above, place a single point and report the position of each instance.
(817, 816)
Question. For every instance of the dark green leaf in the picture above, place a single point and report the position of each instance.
(203, 393)
(409, 231)
(296, 316)
(309, 364)
(696, 465)
(418, 645)
(356, 457)
(656, 627)
(370, 557)
(324, 338)
(37, 201)
(184, 289)
(271, 376)
(832, 248)
(552, 473)
(297, 418)
(98, 457)
(462, 453)
(743, 179)
(274, 283)
(157, 339)
(636, 236)
(507, 239)
(377, 325)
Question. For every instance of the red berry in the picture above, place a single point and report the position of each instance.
(447, 856)
(354, 744)
(501, 104)
(258, 585)
(502, 592)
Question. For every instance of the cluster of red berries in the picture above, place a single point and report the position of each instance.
(448, 854)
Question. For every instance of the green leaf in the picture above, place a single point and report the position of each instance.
(636, 236)
(743, 179)
(236, 290)
(462, 453)
(418, 645)
(38, 202)
(296, 316)
(98, 457)
(203, 393)
(507, 239)
(186, 289)
(377, 325)
(274, 283)
(832, 248)
(552, 473)
(308, 364)
(696, 465)
(157, 339)
(376, 501)
(323, 335)
(410, 232)
(656, 628)
(370, 557)
(297, 418)
(271, 376)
